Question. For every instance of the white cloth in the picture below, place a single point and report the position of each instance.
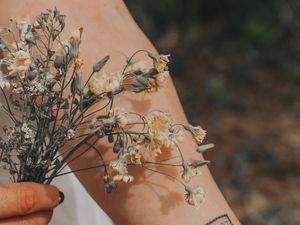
(78, 208)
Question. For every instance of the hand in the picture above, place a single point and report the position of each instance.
(27, 203)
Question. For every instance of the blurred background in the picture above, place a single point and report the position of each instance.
(236, 66)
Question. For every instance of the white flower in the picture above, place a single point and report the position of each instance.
(119, 165)
(74, 41)
(189, 172)
(28, 133)
(117, 118)
(39, 87)
(76, 35)
(175, 136)
(123, 177)
(194, 196)
(23, 25)
(20, 62)
(106, 82)
(120, 117)
(70, 134)
(140, 66)
(4, 82)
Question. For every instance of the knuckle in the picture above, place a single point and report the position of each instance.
(26, 199)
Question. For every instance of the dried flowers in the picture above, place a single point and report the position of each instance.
(54, 103)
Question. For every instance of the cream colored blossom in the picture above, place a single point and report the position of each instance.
(140, 66)
(160, 63)
(20, 62)
(106, 82)
(119, 165)
(133, 157)
(123, 177)
(189, 172)
(160, 134)
(4, 82)
(194, 196)
(157, 82)
(197, 132)
(175, 137)
(148, 145)
(117, 118)
(23, 25)
(75, 40)
(159, 123)
(76, 35)
(78, 64)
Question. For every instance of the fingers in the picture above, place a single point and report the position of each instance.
(24, 198)
(38, 218)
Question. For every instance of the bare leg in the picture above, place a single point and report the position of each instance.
(109, 29)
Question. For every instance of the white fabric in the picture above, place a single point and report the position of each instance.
(78, 208)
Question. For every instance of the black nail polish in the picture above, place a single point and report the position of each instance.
(61, 197)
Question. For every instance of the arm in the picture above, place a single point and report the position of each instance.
(110, 29)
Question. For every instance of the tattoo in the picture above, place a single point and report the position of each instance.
(221, 220)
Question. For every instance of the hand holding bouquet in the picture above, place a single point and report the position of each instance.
(55, 112)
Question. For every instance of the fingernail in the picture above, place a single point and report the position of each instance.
(61, 197)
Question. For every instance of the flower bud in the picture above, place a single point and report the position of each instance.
(98, 66)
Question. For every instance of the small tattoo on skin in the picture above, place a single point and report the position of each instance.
(221, 220)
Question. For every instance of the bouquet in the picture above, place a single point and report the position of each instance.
(57, 115)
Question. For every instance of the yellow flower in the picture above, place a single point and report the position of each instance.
(197, 132)
(189, 172)
(194, 196)
(125, 177)
(105, 83)
(160, 63)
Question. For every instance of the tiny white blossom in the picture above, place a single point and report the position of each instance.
(194, 196)
(4, 82)
(28, 133)
(70, 134)
(119, 165)
(123, 177)
(106, 82)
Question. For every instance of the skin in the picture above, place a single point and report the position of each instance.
(29, 203)
(151, 198)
